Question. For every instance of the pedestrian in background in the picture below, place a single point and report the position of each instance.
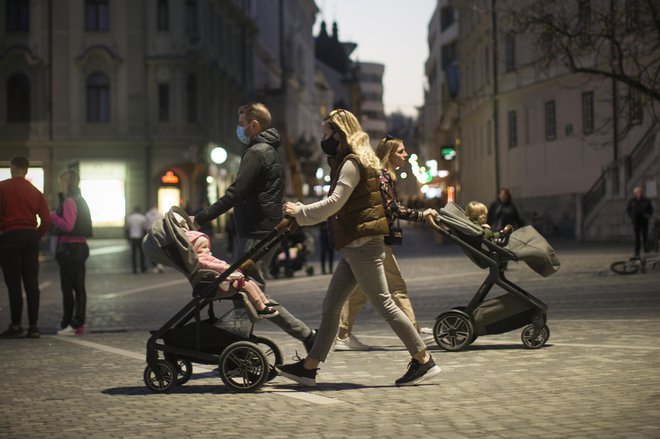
(20, 204)
(358, 226)
(639, 211)
(503, 212)
(392, 154)
(73, 225)
(152, 215)
(327, 252)
(256, 197)
(136, 228)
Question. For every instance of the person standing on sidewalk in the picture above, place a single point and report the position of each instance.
(392, 154)
(136, 228)
(152, 215)
(256, 196)
(639, 211)
(357, 228)
(20, 204)
(73, 225)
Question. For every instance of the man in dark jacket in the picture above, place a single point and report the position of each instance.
(256, 196)
(640, 211)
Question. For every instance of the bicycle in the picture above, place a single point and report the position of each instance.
(635, 265)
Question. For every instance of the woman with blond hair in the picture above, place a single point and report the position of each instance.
(392, 154)
(73, 225)
(357, 226)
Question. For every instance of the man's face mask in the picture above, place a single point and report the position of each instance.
(242, 137)
(330, 145)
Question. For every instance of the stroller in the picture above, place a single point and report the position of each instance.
(246, 362)
(459, 327)
(293, 255)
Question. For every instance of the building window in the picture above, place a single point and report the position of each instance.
(550, 121)
(632, 14)
(486, 65)
(446, 18)
(588, 112)
(635, 106)
(191, 20)
(489, 137)
(513, 129)
(510, 52)
(98, 98)
(163, 102)
(162, 16)
(97, 15)
(191, 99)
(448, 54)
(18, 98)
(18, 15)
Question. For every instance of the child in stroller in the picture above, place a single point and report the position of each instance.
(200, 242)
(478, 213)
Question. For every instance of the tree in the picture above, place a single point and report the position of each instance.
(615, 39)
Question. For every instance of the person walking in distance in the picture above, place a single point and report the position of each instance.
(358, 226)
(20, 204)
(640, 210)
(73, 225)
(256, 196)
(392, 154)
(136, 227)
(152, 215)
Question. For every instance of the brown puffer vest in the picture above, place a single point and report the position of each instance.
(363, 213)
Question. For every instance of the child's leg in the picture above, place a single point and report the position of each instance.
(255, 294)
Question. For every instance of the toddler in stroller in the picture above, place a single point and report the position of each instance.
(245, 361)
(478, 213)
(459, 327)
(200, 242)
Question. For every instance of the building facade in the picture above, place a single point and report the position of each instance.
(373, 120)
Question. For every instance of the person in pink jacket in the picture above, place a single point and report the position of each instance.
(200, 243)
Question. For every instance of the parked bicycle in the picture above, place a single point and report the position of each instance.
(635, 265)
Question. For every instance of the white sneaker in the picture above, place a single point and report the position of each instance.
(350, 343)
(425, 330)
(69, 330)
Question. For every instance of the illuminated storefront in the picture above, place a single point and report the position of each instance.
(102, 184)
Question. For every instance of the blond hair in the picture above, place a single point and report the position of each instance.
(386, 147)
(256, 111)
(70, 180)
(476, 211)
(353, 137)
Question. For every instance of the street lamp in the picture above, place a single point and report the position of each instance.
(218, 155)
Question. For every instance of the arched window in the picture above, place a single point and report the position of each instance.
(98, 98)
(18, 98)
(191, 98)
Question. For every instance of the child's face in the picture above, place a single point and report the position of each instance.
(203, 246)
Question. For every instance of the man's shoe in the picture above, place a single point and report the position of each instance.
(33, 332)
(418, 372)
(298, 373)
(309, 341)
(350, 343)
(67, 331)
(13, 332)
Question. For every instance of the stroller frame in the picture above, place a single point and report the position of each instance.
(183, 339)
(459, 327)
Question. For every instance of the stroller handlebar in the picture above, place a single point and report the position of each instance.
(431, 221)
(288, 224)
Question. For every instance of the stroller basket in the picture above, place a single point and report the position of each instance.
(237, 321)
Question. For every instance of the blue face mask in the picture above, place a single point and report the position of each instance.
(240, 133)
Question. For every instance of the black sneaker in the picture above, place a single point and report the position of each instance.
(13, 332)
(418, 372)
(33, 332)
(298, 373)
(309, 341)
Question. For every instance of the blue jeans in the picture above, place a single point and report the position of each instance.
(362, 265)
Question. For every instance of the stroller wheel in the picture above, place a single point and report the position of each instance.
(183, 367)
(160, 377)
(534, 342)
(453, 331)
(243, 366)
(273, 354)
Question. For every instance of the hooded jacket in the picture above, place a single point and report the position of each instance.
(256, 193)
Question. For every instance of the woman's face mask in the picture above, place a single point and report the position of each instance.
(330, 145)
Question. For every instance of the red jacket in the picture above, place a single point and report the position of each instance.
(20, 203)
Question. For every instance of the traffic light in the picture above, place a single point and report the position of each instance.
(448, 152)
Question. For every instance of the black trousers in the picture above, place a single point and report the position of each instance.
(19, 253)
(137, 254)
(641, 235)
(72, 282)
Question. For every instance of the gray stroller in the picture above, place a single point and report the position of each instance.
(459, 327)
(245, 361)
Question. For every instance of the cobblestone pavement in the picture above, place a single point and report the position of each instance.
(597, 376)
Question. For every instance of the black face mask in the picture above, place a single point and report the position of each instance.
(330, 145)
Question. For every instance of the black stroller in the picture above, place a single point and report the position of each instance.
(246, 362)
(459, 327)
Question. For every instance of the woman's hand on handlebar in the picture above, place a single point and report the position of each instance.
(291, 209)
(430, 211)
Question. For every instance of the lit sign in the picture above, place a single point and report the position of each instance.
(170, 178)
